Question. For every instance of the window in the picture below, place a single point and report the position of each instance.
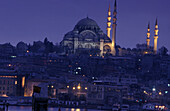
(99, 96)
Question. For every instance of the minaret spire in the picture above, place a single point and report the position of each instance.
(148, 36)
(156, 37)
(109, 22)
(114, 29)
(156, 23)
(115, 6)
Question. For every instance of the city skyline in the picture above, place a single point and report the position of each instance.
(30, 21)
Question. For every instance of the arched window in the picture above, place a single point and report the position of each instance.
(80, 46)
(70, 45)
(107, 48)
(88, 46)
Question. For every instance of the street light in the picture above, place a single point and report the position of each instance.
(74, 88)
(79, 87)
(156, 106)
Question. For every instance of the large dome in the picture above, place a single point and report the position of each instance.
(86, 24)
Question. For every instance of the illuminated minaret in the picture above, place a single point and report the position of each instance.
(148, 36)
(156, 37)
(109, 22)
(114, 29)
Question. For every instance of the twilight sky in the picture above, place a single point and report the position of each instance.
(32, 20)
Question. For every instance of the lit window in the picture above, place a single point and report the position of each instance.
(15, 82)
(23, 82)
(9, 65)
(74, 88)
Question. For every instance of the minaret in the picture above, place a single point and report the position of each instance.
(109, 22)
(156, 37)
(148, 36)
(114, 29)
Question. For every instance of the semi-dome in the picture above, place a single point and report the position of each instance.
(86, 24)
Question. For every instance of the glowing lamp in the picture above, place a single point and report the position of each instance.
(153, 89)
(15, 82)
(78, 87)
(168, 85)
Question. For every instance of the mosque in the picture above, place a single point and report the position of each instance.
(87, 37)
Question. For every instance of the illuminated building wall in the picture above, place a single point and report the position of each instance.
(35, 82)
(101, 46)
(8, 84)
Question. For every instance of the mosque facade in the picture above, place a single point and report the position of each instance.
(87, 37)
